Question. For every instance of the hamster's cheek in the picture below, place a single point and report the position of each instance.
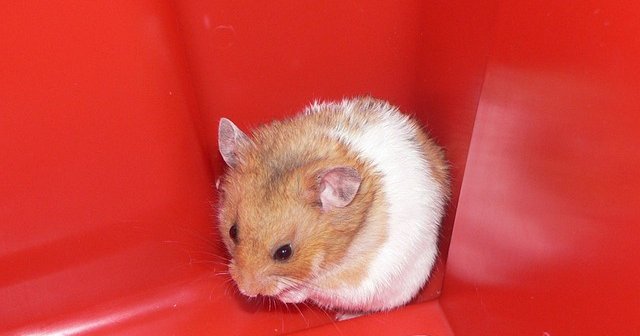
(233, 270)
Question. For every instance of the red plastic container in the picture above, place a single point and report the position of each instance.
(108, 112)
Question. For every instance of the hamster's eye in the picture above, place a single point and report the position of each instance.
(283, 253)
(233, 233)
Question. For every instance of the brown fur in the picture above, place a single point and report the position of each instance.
(273, 196)
(375, 226)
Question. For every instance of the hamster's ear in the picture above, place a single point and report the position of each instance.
(338, 186)
(229, 138)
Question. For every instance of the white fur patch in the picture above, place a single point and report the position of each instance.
(415, 208)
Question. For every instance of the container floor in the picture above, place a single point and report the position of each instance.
(108, 114)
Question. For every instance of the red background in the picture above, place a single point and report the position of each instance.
(108, 113)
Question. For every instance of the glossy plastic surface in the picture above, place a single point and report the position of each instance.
(107, 139)
(546, 234)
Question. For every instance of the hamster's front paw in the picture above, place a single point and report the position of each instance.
(347, 316)
(292, 296)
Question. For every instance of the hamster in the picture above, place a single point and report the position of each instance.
(340, 205)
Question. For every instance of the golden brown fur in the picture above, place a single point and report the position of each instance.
(272, 195)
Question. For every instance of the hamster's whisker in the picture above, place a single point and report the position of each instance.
(212, 262)
(207, 238)
(332, 319)
(209, 255)
(226, 283)
(222, 274)
(226, 287)
(324, 311)
(205, 252)
(301, 314)
(287, 307)
(205, 255)
(309, 308)
(293, 282)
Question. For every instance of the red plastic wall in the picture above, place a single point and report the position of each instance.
(107, 123)
(546, 234)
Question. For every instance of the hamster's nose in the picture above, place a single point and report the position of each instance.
(251, 287)
(248, 291)
(249, 284)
